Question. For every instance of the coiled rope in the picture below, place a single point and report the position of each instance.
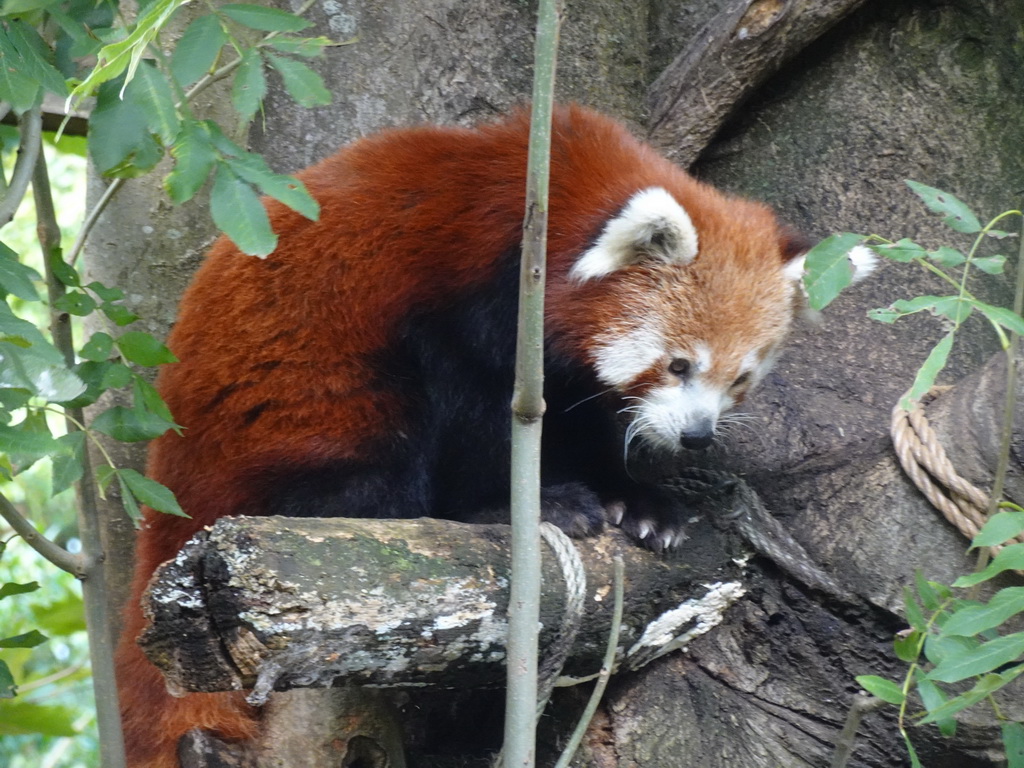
(924, 460)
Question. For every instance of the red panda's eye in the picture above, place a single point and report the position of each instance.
(680, 367)
(742, 379)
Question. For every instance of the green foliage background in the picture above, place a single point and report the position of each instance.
(52, 720)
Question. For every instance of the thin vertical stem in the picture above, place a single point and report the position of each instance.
(93, 576)
(528, 410)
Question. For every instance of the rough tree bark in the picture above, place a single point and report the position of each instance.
(905, 89)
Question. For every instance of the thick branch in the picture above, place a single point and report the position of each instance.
(276, 603)
(739, 49)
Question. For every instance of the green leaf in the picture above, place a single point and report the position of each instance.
(68, 465)
(19, 718)
(17, 87)
(118, 314)
(309, 47)
(264, 19)
(884, 689)
(986, 658)
(152, 92)
(61, 618)
(974, 619)
(131, 506)
(129, 425)
(287, 189)
(934, 697)
(17, 278)
(146, 397)
(37, 60)
(1013, 741)
(306, 86)
(904, 250)
(105, 293)
(8, 690)
(913, 612)
(27, 442)
(955, 213)
(984, 688)
(198, 49)
(98, 347)
(238, 212)
(120, 141)
(13, 7)
(947, 257)
(249, 86)
(64, 271)
(76, 303)
(938, 648)
(927, 373)
(39, 369)
(915, 761)
(151, 493)
(1010, 558)
(953, 307)
(828, 269)
(10, 588)
(930, 593)
(193, 160)
(992, 265)
(1001, 527)
(908, 646)
(123, 56)
(884, 315)
(144, 349)
(1007, 318)
(26, 640)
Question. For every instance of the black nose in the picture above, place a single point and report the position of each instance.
(696, 441)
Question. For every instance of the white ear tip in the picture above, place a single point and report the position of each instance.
(863, 260)
(794, 268)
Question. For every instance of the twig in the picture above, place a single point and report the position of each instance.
(29, 148)
(53, 553)
(95, 594)
(1009, 406)
(92, 218)
(861, 705)
(527, 412)
(606, 669)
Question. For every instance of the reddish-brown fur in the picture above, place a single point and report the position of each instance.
(409, 218)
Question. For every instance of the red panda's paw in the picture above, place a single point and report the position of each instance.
(574, 508)
(654, 520)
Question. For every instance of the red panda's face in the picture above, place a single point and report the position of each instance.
(685, 318)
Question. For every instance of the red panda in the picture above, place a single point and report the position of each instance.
(365, 367)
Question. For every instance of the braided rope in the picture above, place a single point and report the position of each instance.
(575, 578)
(924, 460)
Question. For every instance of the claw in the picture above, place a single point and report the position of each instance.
(616, 511)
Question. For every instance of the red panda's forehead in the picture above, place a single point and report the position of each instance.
(731, 322)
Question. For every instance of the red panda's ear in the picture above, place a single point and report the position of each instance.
(793, 246)
(651, 226)
(793, 243)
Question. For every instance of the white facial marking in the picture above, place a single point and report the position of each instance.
(702, 357)
(620, 359)
(667, 413)
(652, 224)
(794, 268)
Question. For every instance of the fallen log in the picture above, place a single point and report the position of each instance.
(276, 603)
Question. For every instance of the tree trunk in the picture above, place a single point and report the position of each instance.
(896, 90)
